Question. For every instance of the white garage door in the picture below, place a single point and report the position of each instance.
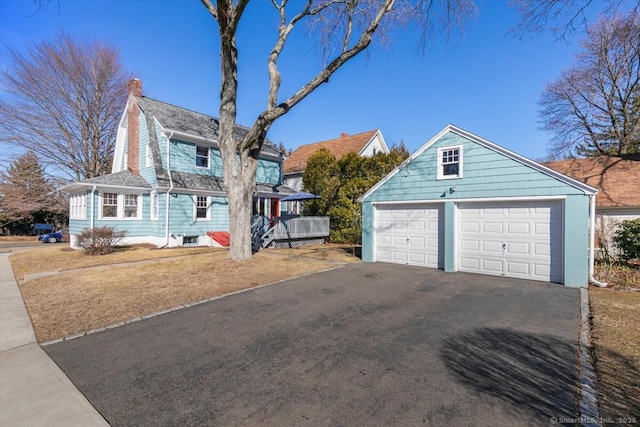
(410, 235)
(515, 239)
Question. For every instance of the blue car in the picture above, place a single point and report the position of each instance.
(56, 236)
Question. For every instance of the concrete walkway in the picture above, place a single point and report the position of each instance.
(33, 389)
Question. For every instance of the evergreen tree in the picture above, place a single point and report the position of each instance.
(340, 183)
(27, 195)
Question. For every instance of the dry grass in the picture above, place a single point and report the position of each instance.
(618, 276)
(9, 239)
(616, 330)
(61, 257)
(74, 302)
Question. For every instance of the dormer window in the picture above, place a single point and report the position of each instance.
(202, 157)
(450, 162)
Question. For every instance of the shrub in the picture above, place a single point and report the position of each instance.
(627, 239)
(99, 240)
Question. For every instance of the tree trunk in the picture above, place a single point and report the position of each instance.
(238, 166)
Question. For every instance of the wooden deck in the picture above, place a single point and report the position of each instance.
(296, 228)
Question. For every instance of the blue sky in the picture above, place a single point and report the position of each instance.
(485, 81)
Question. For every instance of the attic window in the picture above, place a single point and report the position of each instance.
(450, 162)
(202, 157)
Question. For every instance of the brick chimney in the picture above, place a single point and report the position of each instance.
(133, 127)
(344, 135)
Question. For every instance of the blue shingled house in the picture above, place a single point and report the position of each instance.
(166, 184)
(462, 203)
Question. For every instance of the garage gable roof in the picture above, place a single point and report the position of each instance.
(587, 189)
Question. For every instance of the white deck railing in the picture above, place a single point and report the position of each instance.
(297, 228)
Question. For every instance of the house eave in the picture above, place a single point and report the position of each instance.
(82, 185)
(187, 137)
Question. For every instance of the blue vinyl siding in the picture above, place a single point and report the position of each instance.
(182, 216)
(268, 172)
(486, 173)
(183, 159)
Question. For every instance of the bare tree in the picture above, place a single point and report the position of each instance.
(594, 107)
(63, 100)
(562, 17)
(344, 28)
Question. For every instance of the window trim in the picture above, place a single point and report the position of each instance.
(441, 164)
(120, 208)
(208, 157)
(102, 205)
(195, 208)
(78, 206)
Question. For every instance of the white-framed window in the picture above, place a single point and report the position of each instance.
(130, 205)
(109, 205)
(202, 211)
(153, 205)
(202, 157)
(120, 206)
(450, 162)
(78, 206)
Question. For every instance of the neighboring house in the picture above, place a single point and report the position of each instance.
(363, 144)
(462, 203)
(617, 179)
(166, 184)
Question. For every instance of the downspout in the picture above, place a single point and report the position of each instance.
(93, 205)
(592, 240)
(166, 219)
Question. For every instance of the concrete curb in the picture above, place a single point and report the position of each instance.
(589, 415)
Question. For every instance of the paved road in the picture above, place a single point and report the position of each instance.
(366, 344)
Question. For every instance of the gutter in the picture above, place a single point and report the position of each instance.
(592, 240)
(168, 203)
(93, 205)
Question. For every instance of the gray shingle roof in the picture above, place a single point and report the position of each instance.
(190, 181)
(124, 178)
(193, 123)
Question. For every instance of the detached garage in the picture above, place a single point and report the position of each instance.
(461, 203)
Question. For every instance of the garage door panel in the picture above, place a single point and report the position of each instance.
(518, 268)
(417, 225)
(521, 228)
(470, 245)
(413, 235)
(518, 249)
(418, 241)
(491, 266)
(516, 239)
(492, 227)
(470, 226)
(491, 247)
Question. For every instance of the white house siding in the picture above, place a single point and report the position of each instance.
(294, 181)
(376, 145)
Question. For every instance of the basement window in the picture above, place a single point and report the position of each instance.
(190, 240)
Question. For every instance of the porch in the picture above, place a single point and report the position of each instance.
(289, 231)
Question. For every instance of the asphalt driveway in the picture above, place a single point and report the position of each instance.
(365, 344)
